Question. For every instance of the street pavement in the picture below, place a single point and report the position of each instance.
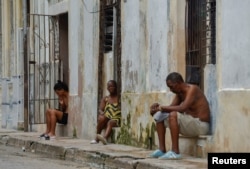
(14, 158)
(111, 156)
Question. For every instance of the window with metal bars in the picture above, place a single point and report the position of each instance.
(108, 26)
(200, 38)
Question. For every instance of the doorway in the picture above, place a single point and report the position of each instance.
(48, 62)
(109, 43)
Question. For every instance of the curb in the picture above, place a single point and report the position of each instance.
(99, 156)
(94, 158)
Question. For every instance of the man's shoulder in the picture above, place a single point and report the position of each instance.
(193, 86)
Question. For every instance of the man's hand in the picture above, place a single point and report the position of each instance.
(154, 108)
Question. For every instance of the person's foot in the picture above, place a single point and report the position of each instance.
(48, 137)
(42, 136)
(94, 142)
(102, 139)
(52, 138)
(170, 155)
(156, 154)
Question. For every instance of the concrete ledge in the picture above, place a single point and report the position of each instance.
(194, 146)
(109, 156)
(114, 134)
(61, 130)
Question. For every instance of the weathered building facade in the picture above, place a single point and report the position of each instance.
(137, 43)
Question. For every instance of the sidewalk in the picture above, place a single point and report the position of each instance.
(113, 156)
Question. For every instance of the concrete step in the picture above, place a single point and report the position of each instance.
(195, 146)
(114, 134)
(109, 156)
(61, 130)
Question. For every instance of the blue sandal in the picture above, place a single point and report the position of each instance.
(156, 154)
(170, 155)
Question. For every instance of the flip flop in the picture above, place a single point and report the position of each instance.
(52, 138)
(102, 139)
(93, 142)
(47, 137)
(156, 154)
(171, 155)
(42, 135)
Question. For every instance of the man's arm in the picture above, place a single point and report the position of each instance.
(178, 105)
(157, 107)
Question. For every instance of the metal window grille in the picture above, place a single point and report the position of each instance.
(200, 38)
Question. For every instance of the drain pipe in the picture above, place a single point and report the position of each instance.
(25, 68)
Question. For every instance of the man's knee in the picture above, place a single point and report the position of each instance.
(172, 120)
(173, 115)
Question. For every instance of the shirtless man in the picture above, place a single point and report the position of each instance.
(60, 115)
(188, 114)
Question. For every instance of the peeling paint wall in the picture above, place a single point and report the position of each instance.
(11, 63)
(233, 75)
(151, 48)
(83, 53)
(233, 44)
(233, 122)
(144, 45)
(138, 127)
(153, 44)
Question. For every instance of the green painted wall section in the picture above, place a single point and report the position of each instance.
(138, 128)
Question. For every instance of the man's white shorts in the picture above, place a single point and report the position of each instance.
(188, 125)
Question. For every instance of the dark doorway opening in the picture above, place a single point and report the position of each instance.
(110, 41)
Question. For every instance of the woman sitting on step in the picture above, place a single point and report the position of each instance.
(60, 115)
(109, 113)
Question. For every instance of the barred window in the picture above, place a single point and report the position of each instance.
(200, 38)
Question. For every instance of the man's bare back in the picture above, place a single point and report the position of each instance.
(199, 107)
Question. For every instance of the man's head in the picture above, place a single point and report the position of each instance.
(174, 81)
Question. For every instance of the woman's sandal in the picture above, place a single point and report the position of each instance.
(102, 139)
(42, 135)
(93, 142)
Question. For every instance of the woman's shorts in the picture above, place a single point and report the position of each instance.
(64, 119)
